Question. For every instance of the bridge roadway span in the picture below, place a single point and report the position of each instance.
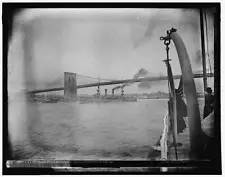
(160, 78)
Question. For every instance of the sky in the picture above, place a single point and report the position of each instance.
(105, 43)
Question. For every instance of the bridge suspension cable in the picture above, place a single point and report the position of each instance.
(93, 82)
(96, 78)
(54, 81)
(81, 79)
(58, 78)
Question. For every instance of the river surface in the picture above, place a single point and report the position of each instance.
(125, 130)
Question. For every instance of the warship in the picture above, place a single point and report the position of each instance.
(97, 98)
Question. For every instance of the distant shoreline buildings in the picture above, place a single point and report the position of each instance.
(59, 97)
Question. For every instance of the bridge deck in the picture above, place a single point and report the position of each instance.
(117, 82)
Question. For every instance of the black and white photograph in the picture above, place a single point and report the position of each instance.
(112, 90)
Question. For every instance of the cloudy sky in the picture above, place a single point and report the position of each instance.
(106, 43)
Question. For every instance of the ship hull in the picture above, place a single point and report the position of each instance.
(107, 100)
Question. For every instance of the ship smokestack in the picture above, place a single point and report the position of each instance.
(105, 92)
(122, 92)
(98, 91)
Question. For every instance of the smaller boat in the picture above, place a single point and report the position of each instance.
(129, 99)
(51, 101)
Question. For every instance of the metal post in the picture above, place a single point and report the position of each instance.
(203, 48)
(191, 96)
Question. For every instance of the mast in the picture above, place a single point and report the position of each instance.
(203, 48)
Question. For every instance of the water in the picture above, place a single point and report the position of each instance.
(87, 131)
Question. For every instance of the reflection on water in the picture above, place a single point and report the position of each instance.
(86, 131)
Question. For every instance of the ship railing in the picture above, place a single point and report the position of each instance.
(164, 139)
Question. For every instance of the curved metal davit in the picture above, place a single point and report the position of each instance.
(194, 120)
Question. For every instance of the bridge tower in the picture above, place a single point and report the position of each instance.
(70, 86)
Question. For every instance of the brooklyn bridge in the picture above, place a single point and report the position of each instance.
(70, 82)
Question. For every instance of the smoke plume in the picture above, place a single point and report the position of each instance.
(145, 84)
(141, 73)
